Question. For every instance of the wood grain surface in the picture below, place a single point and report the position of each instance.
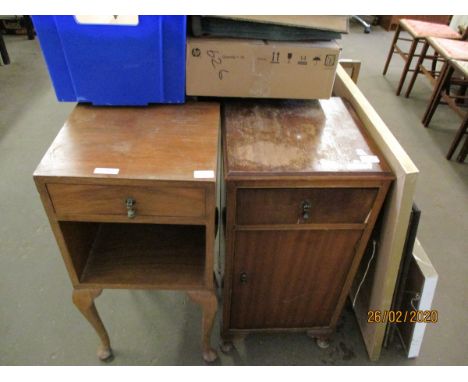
(285, 205)
(293, 278)
(300, 137)
(163, 142)
(85, 199)
(146, 256)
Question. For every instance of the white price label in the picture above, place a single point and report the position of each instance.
(203, 174)
(370, 159)
(106, 171)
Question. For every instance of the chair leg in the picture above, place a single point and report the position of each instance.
(417, 70)
(3, 51)
(29, 27)
(441, 84)
(409, 59)
(463, 152)
(392, 49)
(434, 63)
(461, 92)
(458, 136)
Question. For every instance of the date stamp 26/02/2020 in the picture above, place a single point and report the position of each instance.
(402, 316)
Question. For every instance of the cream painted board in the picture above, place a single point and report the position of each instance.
(377, 295)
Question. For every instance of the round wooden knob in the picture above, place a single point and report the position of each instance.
(243, 277)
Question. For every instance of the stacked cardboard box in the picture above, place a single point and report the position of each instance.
(243, 67)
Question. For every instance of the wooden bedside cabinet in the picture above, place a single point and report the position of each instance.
(130, 196)
(304, 186)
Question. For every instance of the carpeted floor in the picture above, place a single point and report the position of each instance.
(40, 326)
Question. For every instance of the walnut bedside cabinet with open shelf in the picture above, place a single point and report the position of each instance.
(130, 196)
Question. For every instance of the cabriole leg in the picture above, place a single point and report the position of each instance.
(209, 304)
(84, 301)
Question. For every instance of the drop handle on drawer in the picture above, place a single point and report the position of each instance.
(243, 278)
(305, 207)
(130, 204)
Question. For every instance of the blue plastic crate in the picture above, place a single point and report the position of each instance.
(115, 64)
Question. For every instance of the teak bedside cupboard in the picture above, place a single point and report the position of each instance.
(130, 196)
(304, 185)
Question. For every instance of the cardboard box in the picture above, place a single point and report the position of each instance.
(261, 69)
(332, 23)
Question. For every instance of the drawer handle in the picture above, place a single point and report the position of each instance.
(305, 206)
(243, 278)
(130, 204)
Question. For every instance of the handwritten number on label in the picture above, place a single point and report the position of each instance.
(214, 60)
(220, 74)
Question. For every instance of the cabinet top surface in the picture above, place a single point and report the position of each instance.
(160, 142)
(271, 137)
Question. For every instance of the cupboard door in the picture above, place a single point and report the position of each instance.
(289, 279)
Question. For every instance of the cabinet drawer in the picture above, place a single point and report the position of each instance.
(72, 199)
(304, 205)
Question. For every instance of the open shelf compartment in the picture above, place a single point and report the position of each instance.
(115, 255)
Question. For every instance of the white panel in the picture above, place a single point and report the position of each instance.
(427, 295)
(107, 19)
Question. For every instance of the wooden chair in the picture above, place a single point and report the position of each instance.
(442, 92)
(445, 49)
(418, 31)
